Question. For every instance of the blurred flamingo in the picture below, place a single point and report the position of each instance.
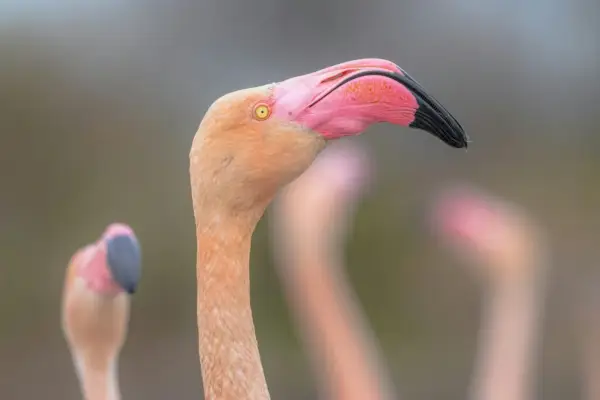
(588, 322)
(95, 309)
(509, 253)
(249, 144)
(310, 222)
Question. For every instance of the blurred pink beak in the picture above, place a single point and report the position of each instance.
(345, 99)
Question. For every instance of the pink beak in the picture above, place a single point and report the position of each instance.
(345, 99)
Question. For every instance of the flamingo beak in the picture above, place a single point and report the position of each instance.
(431, 116)
(345, 99)
(124, 261)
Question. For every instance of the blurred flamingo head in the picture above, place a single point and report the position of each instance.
(484, 227)
(315, 208)
(113, 263)
(343, 168)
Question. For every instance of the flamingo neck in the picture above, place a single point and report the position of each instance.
(229, 355)
(341, 345)
(98, 377)
(508, 339)
(95, 327)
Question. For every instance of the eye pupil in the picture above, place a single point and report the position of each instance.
(262, 111)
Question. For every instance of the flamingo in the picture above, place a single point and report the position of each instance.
(509, 252)
(250, 143)
(95, 309)
(588, 322)
(310, 222)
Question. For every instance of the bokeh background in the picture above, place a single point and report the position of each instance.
(99, 102)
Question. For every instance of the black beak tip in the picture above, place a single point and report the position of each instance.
(462, 142)
(440, 123)
(124, 261)
(431, 116)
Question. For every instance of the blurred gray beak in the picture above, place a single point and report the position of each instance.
(124, 261)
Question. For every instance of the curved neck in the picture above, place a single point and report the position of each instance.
(508, 340)
(98, 378)
(229, 356)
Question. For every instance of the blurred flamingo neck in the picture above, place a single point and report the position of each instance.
(229, 355)
(508, 338)
(98, 377)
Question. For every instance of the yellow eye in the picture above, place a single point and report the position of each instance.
(262, 112)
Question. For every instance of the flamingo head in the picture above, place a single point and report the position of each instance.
(113, 263)
(316, 208)
(255, 140)
(487, 230)
(334, 181)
